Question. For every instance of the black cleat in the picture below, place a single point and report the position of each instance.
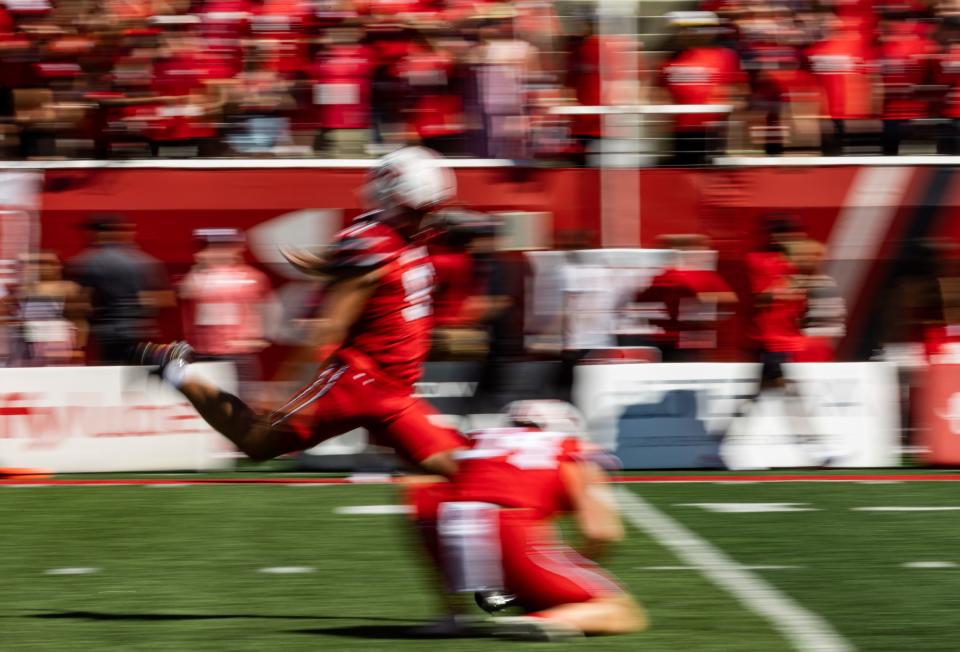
(494, 601)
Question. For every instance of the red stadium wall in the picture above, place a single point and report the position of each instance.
(864, 214)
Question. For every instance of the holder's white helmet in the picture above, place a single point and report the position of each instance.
(550, 415)
(411, 177)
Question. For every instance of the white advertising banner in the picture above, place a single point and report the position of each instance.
(106, 419)
(669, 415)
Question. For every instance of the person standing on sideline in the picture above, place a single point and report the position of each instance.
(224, 301)
(127, 288)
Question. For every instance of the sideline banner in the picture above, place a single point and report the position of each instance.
(940, 414)
(106, 419)
(682, 415)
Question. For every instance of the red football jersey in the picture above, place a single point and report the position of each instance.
(906, 61)
(393, 331)
(840, 66)
(948, 74)
(685, 321)
(702, 75)
(516, 467)
(455, 285)
(775, 326)
(342, 79)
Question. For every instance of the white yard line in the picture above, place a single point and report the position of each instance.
(807, 631)
(750, 508)
(77, 570)
(908, 508)
(929, 564)
(287, 570)
(373, 510)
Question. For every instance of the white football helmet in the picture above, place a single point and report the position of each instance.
(411, 177)
(549, 415)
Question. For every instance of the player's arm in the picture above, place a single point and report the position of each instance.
(346, 294)
(343, 304)
(594, 506)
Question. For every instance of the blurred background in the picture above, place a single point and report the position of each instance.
(707, 186)
(531, 81)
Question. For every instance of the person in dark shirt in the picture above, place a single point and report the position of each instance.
(126, 288)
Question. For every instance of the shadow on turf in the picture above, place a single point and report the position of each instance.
(107, 616)
(390, 632)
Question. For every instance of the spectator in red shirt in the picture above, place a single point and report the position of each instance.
(824, 318)
(341, 76)
(841, 65)
(261, 103)
(687, 298)
(281, 24)
(224, 304)
(907, 56)
(701, 72)
(435, 79)
(225, 23)
(183, 75)
(778, 305)
(771, 40)
(389, 92)
(590, 87)
(948, 75)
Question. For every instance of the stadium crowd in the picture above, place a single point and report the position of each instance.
(351, 78)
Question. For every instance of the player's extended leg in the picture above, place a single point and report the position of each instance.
(565, 594)
(253, 434)
(601, 616)
(410, 429)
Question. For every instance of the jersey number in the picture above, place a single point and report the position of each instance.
(528, 451)
(418, 286)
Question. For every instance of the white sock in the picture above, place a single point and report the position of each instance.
(176, 374)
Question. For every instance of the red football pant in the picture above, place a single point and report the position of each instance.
(536, 565)
(342, 398)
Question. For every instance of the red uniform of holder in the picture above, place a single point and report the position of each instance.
(510, 480)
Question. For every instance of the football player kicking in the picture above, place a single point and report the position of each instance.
(490, 527)
(370, 341)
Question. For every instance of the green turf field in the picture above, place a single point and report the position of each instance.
(178, 569)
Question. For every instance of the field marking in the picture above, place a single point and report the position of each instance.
(929, 564)
(23, 486)
(170, 485)
(370, 478)
(287, 570)
(807, 631)
(373, 509)
(879, 481)
(76, 570)
(908, 508)
(750, 508)
(694, 568)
